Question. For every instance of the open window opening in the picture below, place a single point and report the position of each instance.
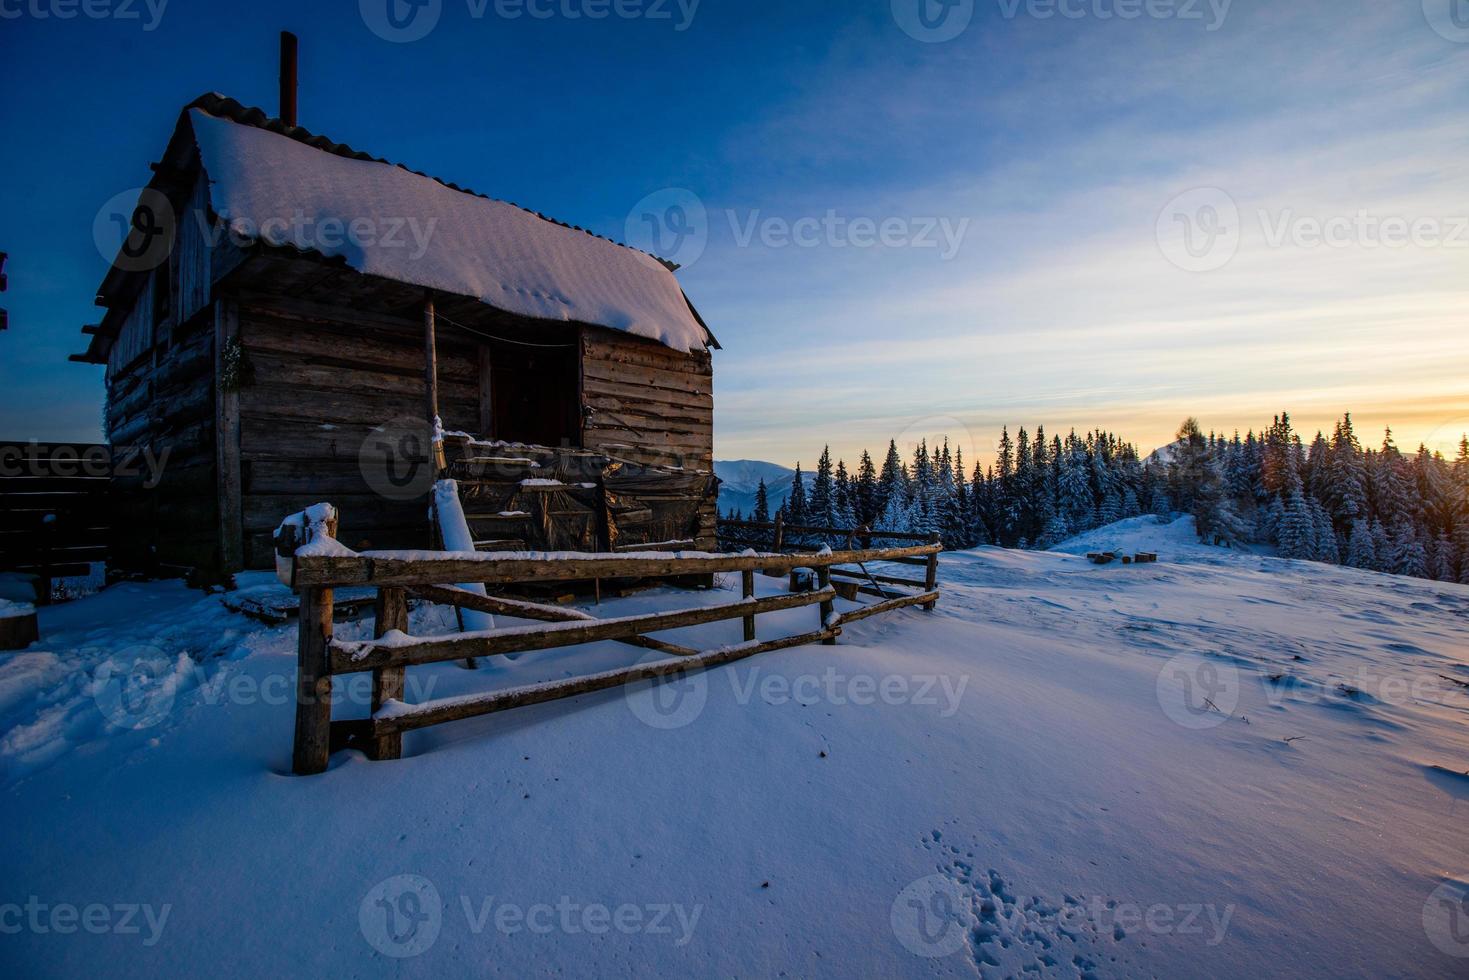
(535, 394)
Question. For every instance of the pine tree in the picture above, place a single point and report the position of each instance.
(1075, 487)
(1409, 556)
(1295, 536)
(762, 503)
(795, 507)
(1057, 530)
(821, 509)
(1360, 550)
(896, 516)
(1390, 486)
(1442, 567)
(842, 495)
(1382, 548)
(1346, 483)
(893, 482)
(865, 490)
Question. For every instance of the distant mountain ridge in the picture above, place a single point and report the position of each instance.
(740, 478)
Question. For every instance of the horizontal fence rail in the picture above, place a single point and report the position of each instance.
(438, 577)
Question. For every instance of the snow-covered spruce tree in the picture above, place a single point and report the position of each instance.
(795, 506)
(1393, 492)
(762, 503)
(842, 496)
(1360, 551)
(1057, 530)
(1442, 559)
(1409, 556)
(866, 502)
(893, 481)
(896, 516)
(1382, 547)
(821, 508)
(1074, 486)
(1346, 479)
(1324, 535)
(1295, 535)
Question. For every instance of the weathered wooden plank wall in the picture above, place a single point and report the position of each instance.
(320, 379)
(651, 404)
(162, 402)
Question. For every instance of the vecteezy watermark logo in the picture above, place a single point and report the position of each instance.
(1362, 230)
(1199, 230)
(1180, 10)
(401, 21)
(930, 915)
(64, 919)
(1447, 437)
(1448, 18)
(148, 12)
(135, 688)
(933, 21)
(669, 701)
(135, 229)
(396, 459)
(1446, 917)
(1197, 692)
(401, 916)
(672, 224)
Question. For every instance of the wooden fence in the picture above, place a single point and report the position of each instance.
(425, 576)
(55, 517)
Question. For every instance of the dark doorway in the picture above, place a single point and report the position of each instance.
(535, 394)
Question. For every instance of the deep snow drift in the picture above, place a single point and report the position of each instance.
(1219, 765)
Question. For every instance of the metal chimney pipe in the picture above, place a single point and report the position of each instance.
(288, 78)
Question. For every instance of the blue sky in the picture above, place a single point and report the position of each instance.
(1074, 220)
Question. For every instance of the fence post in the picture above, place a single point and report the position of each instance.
(780, 534)
(313, 684)
(931, 576)
(747, 582)
(864, 534)
(823, 581)
(45, 582)
(391, 613)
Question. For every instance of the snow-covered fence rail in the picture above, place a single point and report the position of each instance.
(315, 565)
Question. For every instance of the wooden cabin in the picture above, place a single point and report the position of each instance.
(289, 314)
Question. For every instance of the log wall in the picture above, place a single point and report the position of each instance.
(650, 403)
(319, 379)
(162, 402)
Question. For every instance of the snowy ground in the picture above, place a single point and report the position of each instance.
(1068, 769)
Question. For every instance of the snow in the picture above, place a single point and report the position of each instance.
(314, 528)
(454, 529)
(272, 187)
(1022, 767)
(14, 610)
(1168, 538)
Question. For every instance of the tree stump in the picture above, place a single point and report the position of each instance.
(19, 631)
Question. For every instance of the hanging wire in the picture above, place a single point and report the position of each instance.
(621, 422)
(503, 340)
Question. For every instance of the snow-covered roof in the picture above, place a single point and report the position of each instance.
(281, 190)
